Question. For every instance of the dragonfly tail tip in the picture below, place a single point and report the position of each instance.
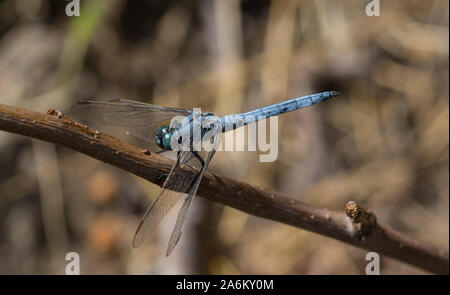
(335, 93)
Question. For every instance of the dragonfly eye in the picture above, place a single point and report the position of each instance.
(163, 138)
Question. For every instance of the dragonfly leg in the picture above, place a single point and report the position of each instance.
(177, 164)
(202, 162)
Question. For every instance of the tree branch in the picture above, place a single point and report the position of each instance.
(361, 230)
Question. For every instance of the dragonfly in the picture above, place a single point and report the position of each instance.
(172, 130)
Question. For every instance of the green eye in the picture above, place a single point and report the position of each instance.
(163, 138)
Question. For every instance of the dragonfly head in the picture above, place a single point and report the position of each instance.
(163, 137)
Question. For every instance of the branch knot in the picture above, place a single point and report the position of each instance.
(364, 219)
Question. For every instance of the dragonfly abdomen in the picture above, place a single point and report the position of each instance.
(232, 122)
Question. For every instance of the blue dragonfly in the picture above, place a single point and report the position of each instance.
(172, 129)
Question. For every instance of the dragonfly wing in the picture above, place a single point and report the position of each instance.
(136, 118)
(175, 185)
(154, 214)
(182, 214)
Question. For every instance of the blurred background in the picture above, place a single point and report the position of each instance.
(383, 142)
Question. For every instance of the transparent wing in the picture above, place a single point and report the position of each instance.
(137, 118)
(182, 214)
(177, 183)
(201, 158)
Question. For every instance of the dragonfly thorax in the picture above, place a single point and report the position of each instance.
(163, 137)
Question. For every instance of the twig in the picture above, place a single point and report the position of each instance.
(361, 231)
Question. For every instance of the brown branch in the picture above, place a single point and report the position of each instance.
(361, 232)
